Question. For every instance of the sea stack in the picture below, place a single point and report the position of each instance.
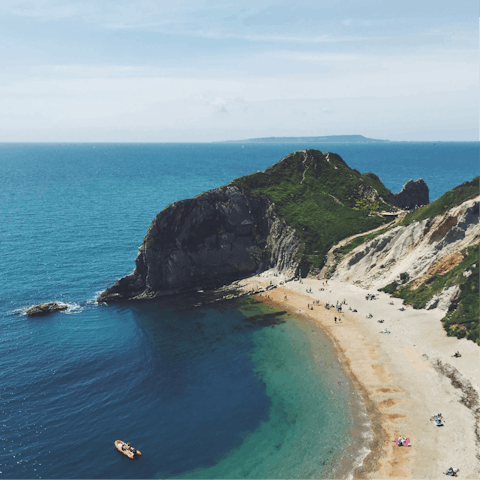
(413, 194)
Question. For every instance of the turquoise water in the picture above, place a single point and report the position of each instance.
(308, 429)
(199, 391)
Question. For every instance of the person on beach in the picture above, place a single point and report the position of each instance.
(452, 472)
(335, 319)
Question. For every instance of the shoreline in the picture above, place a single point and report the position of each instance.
(402, 377)
(361, 406)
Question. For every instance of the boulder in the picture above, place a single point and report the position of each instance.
(45, 309)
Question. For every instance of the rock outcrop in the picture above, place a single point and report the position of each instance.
(286, 217)
(45, 309)
(204, 242)
(413, 194)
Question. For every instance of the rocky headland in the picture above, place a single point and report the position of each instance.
(200, 243)
(285, 217)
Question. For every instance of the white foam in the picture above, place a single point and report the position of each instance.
(93, 301)
(362, 455)
(22, 310)
(72, 308)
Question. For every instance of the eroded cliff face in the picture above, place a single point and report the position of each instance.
(220, 236)
(412, 254)
(285, 218)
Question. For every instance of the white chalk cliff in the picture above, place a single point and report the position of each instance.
(413, 253)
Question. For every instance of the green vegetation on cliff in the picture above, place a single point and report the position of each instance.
(462, 317)
(448, 200)
(322, 198)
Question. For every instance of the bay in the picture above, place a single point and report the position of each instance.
(199, 391)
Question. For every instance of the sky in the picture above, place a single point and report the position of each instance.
(214, 70)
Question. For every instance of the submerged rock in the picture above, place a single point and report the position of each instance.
(45, 309)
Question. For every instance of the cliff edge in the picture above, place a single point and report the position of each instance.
(285, 217)
(220, 236)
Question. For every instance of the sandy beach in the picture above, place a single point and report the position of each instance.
(404, 376)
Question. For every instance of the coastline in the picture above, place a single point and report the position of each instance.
(402, 377)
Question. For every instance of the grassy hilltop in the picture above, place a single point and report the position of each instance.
(322, 198)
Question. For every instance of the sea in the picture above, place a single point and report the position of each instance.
(202, 392)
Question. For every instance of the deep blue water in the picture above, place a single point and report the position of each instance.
(198, 391)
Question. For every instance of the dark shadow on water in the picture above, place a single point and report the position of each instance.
(267, 319)
(203, 391)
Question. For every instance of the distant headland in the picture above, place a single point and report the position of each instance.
(323, 139)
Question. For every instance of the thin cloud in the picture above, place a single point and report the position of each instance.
(369, 22)
(54, 13)
(217, 35)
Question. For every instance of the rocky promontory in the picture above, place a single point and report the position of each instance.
(217, 237)
(285, 217)
(45, 309)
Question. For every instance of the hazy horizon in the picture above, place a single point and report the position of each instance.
(233, 141)
(125, 71)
